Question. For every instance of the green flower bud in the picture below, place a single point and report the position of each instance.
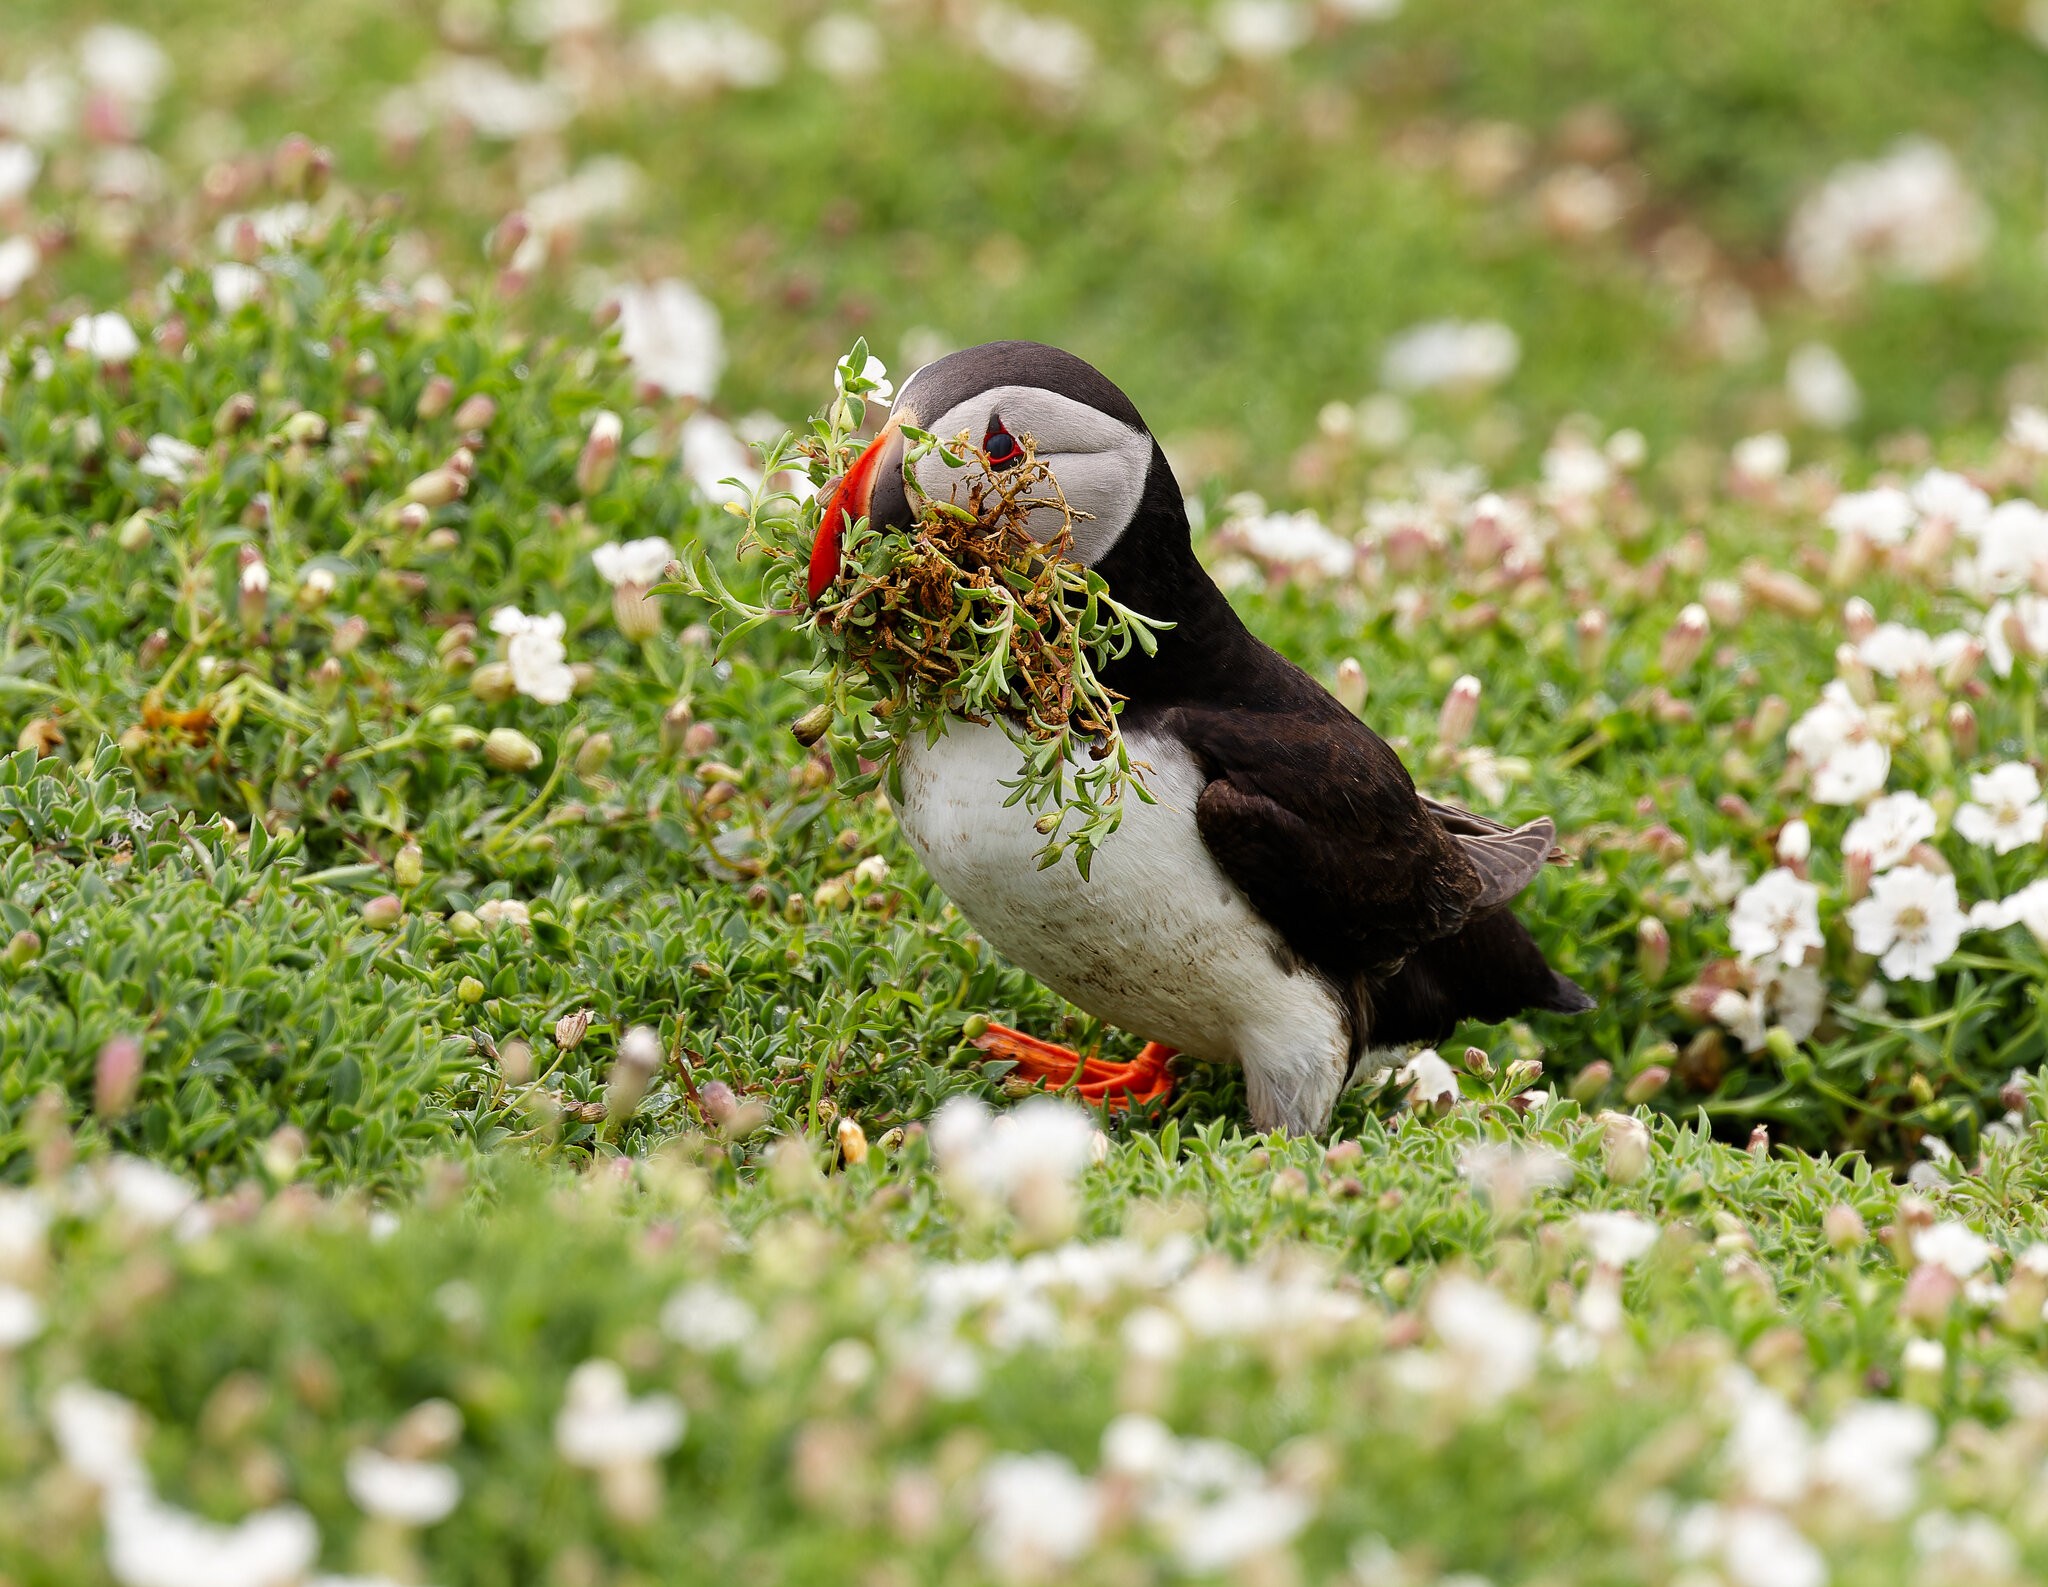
(508, 749)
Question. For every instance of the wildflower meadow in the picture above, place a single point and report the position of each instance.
(484, 1101)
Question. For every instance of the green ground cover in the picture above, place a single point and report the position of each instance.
(332, 899)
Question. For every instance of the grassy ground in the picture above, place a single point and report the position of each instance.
(303, 901)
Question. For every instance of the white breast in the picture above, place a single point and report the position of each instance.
(1157, 940)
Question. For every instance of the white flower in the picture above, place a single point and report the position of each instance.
(1964, 1549)
(873, 370)
(19, 165)
(1240, 1525)
(707, 1316)
(1776, 917)
(124, 62)
(671, 335)
(1451, 353)
(2028, 613)
(410, 1492)
(1892, 650)
(235, 284)
(640, 562)
(1870, 1454)
(713, 454)
(146, 1194)
(2026, 428)
(1036, 1511)
(1616, 1239)
(1048, 53)
(845, 47)
(1912, 919)
(1889, 828)
(1717, 876)
(1762, 1549)
(1428, 1078)
(167, 458)
(108, 337)
(1882, 516)
(1954, 1247)
(1837, 740)
(99, 1435)
(701, 54)
(1509, 1174)
(20, 258)
(21, 1317)
(2027, 907)
(601, 1424)
(276, 228)
(1292, 542)
(606, 184)
(151, 1544)
(1495, 1343)
(2006, 811)
(482, 95)
(1821, 387)
(1262, 30)
(2011, 544)
(1909, 214)
(1762, 459)
(536, 654)
(1943, 497)
(1041, 1139)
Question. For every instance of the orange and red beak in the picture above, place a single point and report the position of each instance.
(845, 507)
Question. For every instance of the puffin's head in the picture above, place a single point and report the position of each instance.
(1083, 428)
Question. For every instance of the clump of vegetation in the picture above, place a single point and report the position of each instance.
(966, 613)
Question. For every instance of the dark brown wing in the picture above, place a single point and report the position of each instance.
(1316, 819)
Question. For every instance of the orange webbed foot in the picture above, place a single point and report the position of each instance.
(1094, 1080)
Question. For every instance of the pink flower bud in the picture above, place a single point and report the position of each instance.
(1350, 687)
(1842, 1227)
(383, 911)
(435, 396)
(600, 453)
(1460, 713)
(719, 1103)
(1591, 632)
(1856, 868)
(1653, 949)
(1683, 641)
(117, 1072)
(437, 488)
(1859, 617)
(1931, 1293)
(1962, 666)
(637, 613)
(476, 413)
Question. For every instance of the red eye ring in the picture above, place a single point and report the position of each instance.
(999, 446)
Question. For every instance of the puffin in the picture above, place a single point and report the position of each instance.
(1287, 900)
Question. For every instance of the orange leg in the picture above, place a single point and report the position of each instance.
(1143, 1079)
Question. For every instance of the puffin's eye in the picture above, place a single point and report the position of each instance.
(1000, 446)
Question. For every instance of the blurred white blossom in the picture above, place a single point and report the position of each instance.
(1910, 214)
(2006, 811)
(536, 654)
(1889, 828)
(699, 54)
(1455, 354)
(1777, 917)
(1912, 920)
(409, 1492)
(1821, 387)
(671, 336)
(107, 337)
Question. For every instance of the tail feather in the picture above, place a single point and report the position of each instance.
(1490, 971)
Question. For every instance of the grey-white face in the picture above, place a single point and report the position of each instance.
(1099, 461)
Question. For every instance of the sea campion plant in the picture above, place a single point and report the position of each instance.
(964, 614)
